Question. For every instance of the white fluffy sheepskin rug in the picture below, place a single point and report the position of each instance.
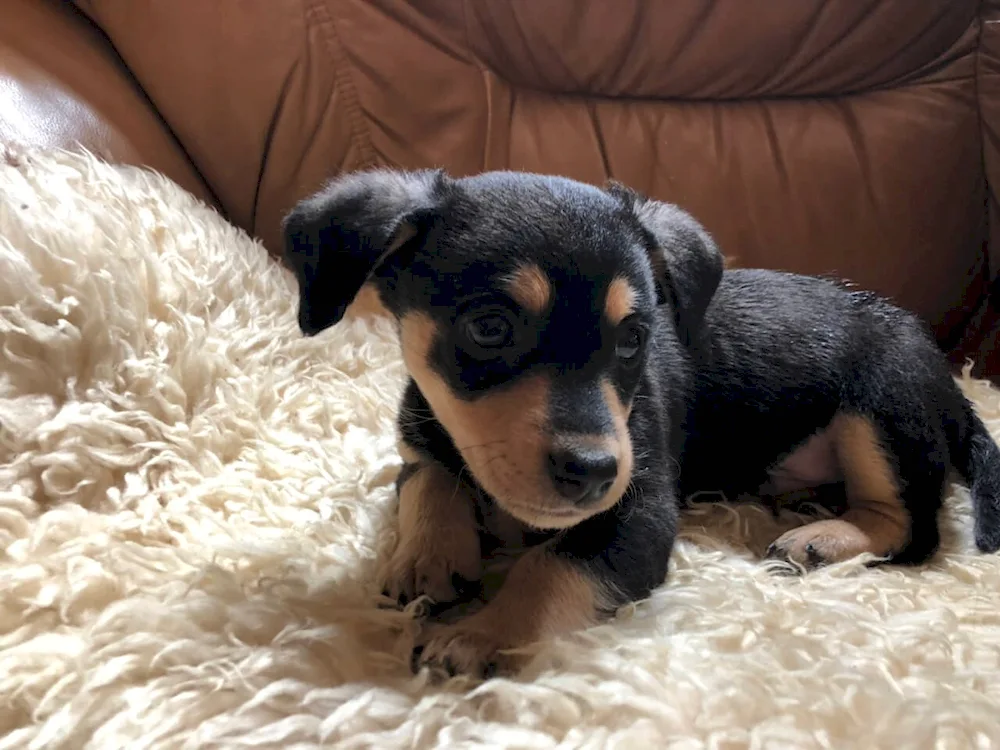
(194, 499)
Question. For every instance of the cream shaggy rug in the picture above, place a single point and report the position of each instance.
(194, 499)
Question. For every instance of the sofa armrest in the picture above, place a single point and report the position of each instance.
(63, 86)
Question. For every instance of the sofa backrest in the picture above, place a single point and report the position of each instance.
(824, 136)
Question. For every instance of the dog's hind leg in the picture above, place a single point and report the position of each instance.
(894, 482)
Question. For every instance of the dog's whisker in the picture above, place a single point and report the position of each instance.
(479, 446)
(418, 416)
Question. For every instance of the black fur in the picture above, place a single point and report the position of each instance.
(468, 236)
(737, 369)
(333, 252)
(780, 354)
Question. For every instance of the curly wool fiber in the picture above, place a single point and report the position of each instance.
(194, 499)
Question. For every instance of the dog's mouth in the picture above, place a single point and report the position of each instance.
(544, 518)
(547, 518)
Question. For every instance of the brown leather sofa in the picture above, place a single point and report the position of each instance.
(852, 137)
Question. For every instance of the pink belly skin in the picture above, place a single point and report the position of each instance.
(812, 464)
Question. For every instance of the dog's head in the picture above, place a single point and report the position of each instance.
(528, 306)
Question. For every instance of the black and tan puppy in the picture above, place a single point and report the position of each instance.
(579, 361)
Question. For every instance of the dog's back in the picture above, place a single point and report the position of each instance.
(783, 356)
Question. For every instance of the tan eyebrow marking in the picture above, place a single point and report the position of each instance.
(620, 302)
(531, 289)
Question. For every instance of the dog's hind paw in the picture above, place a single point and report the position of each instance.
(822, 542)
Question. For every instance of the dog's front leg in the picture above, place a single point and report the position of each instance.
(544, 595)
(568, 584)
(438, 549)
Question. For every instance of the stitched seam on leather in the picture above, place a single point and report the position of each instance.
(121, 66)
(490, 79)
(991, 190)
(342, 72)
(467, 38)
(265, 154)
(972, 326)
(488, 134)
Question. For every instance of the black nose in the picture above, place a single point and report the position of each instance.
(583, 475)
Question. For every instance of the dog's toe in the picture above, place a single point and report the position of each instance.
(820, 543)
(415, 571)
(813, 555)
(797, 547)
(457, 649)
(774, 552)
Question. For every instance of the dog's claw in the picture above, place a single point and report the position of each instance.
(417, 568)
(458, 650)
(813, 556)
(415, 658)
(394, 601)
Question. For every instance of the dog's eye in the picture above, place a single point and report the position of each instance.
(490, 331)
(629, 344)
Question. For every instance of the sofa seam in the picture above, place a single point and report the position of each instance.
(971, 323)
(139, 88)
(991, 270)
(908, 80)
(360, 135)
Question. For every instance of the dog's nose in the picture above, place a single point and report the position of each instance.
(583, 475)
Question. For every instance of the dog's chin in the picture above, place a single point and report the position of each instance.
(516, 491)
(553, 518)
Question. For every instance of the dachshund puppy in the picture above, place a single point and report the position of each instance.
(580, 362)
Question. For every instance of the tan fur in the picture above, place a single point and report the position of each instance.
(530, 287)
(502, 436)
(620, 302)
(367, 304)
(621, 445)
(875, 522)
(437, 536)
(502, 526)
(542, 597)
(408, 453)
(875, 506)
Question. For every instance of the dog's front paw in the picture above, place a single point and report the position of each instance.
(464, 648)
(441, 566)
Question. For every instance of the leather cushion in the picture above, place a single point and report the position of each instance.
(823, 136)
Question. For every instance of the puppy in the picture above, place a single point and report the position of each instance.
(579, 362)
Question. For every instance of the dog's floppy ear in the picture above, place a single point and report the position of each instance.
(686, 262)
(336, 238)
